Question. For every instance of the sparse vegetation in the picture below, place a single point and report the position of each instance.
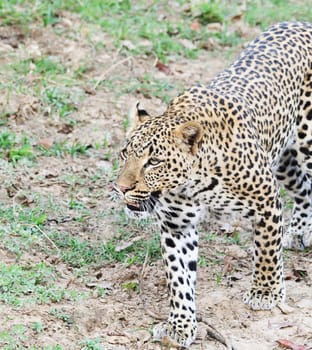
(70, 71)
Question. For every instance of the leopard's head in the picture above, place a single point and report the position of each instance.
(158, 156)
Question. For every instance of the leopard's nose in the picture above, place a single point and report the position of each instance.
(122, 188)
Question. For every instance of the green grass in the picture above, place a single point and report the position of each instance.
(60, 101)
(13, 149)
(62, 315)
(16, 336)
(30, 284)
(264, 13)
(7, 140)
(137, 23)
(24, 227)
(79, 253)
(150, 87)
(12, 338)
(142, 25)
(61, 149)
(91, 344)
(288, 202)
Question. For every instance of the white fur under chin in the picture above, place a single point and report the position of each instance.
(136, 214)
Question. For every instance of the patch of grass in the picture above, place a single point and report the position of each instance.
(137, 23)
(60, 149)
(21, 225)
(79, 253)
(234, 238)
(91, 344)
(62, 315)
(10, 14)
(210, 236)
(37, 327)
(264, 13)
(13, 338)
(13, 149)
(207, 11)
(138, 27)
(219, 277)
(29, 284)
(4, 118)
(24, 151)
(202, 262)
(148, 87)
(45, 65)
(228, 39)
(59, 100)
(288, 202)
(9, 341)
(130, 286)
(20, 12)
(7, 139)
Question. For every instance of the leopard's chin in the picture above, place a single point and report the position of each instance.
(133, 206)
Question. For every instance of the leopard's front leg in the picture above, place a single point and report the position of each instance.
(267, 288)
(179, 244)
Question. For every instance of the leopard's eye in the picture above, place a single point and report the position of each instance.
(152, 162)
(123, 154)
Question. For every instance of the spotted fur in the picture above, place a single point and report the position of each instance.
(223, 148)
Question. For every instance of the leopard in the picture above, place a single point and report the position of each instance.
(227, 147)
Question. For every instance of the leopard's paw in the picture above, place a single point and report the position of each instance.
(262, 299)
(167, 332)
(297, 241)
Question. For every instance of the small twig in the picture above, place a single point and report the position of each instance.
(46, 237)
(143, 271)
(129, 58)
(214, 334)
(154, 315)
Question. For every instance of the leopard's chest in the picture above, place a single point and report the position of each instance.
(214, 197)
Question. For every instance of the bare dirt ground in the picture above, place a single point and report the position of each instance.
(122, 318)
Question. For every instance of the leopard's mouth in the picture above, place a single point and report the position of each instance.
(134, 206)
(146, 204)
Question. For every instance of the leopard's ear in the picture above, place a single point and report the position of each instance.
(137, 116)
(191, 134)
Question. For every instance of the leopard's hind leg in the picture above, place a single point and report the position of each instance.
(295, 174)
(299, 186)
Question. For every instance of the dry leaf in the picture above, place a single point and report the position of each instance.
(163, 68)
(89, 90)
(227, 268)
(237, 17)
(290, 345)
(128, 45)
(188, 44)
(195, 25)
(46, 143)
(123, 246)
(214, 27)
